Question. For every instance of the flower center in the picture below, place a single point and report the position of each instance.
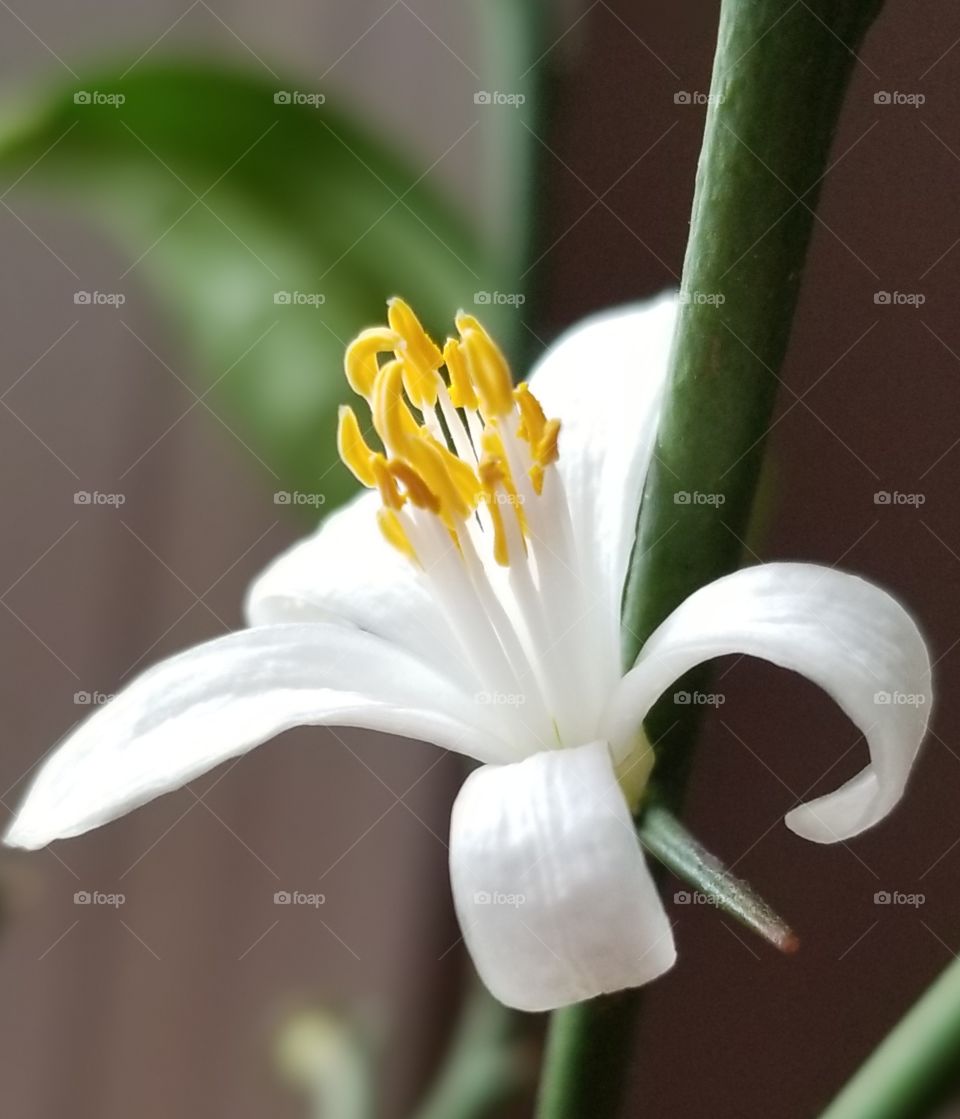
(470, 493)
(466, 447)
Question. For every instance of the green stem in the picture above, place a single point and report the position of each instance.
(916, 1067)
(491, 1062)
(780, 74)
(662, 834)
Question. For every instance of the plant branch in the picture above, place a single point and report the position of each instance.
(780, 74)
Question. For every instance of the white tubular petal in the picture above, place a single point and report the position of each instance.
(604, 381)
(346, 573)
(851, 638)
(219, 700)
(551, 888)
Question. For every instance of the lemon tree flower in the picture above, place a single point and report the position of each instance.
(472, 598)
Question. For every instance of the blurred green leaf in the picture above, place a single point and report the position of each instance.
(274, 229)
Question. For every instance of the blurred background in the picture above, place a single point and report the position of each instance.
(170, 1002)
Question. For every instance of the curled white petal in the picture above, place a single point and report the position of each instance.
(219, 700)
(846, 635)
(346, 573)
(604, 380)
(551, 887)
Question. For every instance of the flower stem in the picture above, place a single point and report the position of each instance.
(780, 74)
(491, 1062)
(916, 1067)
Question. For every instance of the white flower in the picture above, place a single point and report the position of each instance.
(473, 600)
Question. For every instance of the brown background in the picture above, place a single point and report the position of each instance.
(166, 1006)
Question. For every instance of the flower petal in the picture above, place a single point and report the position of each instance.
(219, 700)
(851, 638)
(604, 381)
(346, 573)
(551, 887)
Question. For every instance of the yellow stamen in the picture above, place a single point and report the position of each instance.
(493, 452)
(394, 533)
(418, 465)
(360, 361)
(463, 322)
(532, 418)
(421, 384)
(491, 475)
(545, 452)
(392, 418)
(548, 450)
(353, 448)
(452, 481)
(423, 356)
(386, 483)
(488, 367)
(417, 490)
(461, 388)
